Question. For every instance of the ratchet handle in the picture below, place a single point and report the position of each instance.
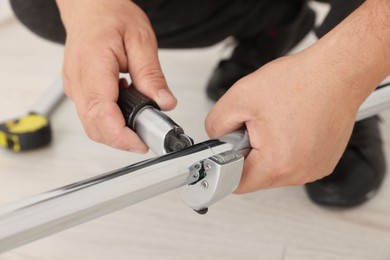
(158, 131)
(131, 102)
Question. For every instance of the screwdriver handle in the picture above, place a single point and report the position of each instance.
(131, 102)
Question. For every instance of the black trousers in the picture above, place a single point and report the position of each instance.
(190, 23)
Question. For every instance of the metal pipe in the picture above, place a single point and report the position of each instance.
(48, 213)
(153, 127)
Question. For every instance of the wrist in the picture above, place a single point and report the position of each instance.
(75, 13)
(356, 53)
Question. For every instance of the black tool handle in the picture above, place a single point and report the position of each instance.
(131, 101)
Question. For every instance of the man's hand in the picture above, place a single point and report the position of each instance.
(104, 38)
(299, 110)
(298, 126)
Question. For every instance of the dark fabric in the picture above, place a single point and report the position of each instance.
(41, 17)
(186, 24)
(189, 23)
(177, 23)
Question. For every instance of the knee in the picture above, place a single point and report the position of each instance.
(42, 17)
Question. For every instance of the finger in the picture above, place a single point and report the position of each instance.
(252, 178)
(144, 67)
(101, 116)
(107, 120)
(256, 177)
(228, 114)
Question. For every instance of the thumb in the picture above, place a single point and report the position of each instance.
(145, 70)
(227, 115)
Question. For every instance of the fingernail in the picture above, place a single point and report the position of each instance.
(165, 97)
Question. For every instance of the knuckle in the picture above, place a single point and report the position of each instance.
(94, 114)
(90, 128)
(93, 109)
(140, 36)
(115, 141)
(144, 35)
(152, 75)
(113, 137)
(92, 134)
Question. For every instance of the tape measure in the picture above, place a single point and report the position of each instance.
(29, 132)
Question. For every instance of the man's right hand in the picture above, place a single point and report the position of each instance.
(104, 38)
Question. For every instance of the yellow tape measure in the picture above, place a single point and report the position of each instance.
(29, 132)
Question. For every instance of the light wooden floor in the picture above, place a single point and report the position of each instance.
(273, 224)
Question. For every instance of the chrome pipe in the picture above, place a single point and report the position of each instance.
(51, 212)
(153, 126)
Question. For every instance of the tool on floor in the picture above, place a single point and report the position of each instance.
(32, 130)
(203, 173)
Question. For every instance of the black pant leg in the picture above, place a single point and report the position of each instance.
(197, 23)
(177, 23)
(41, 17)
